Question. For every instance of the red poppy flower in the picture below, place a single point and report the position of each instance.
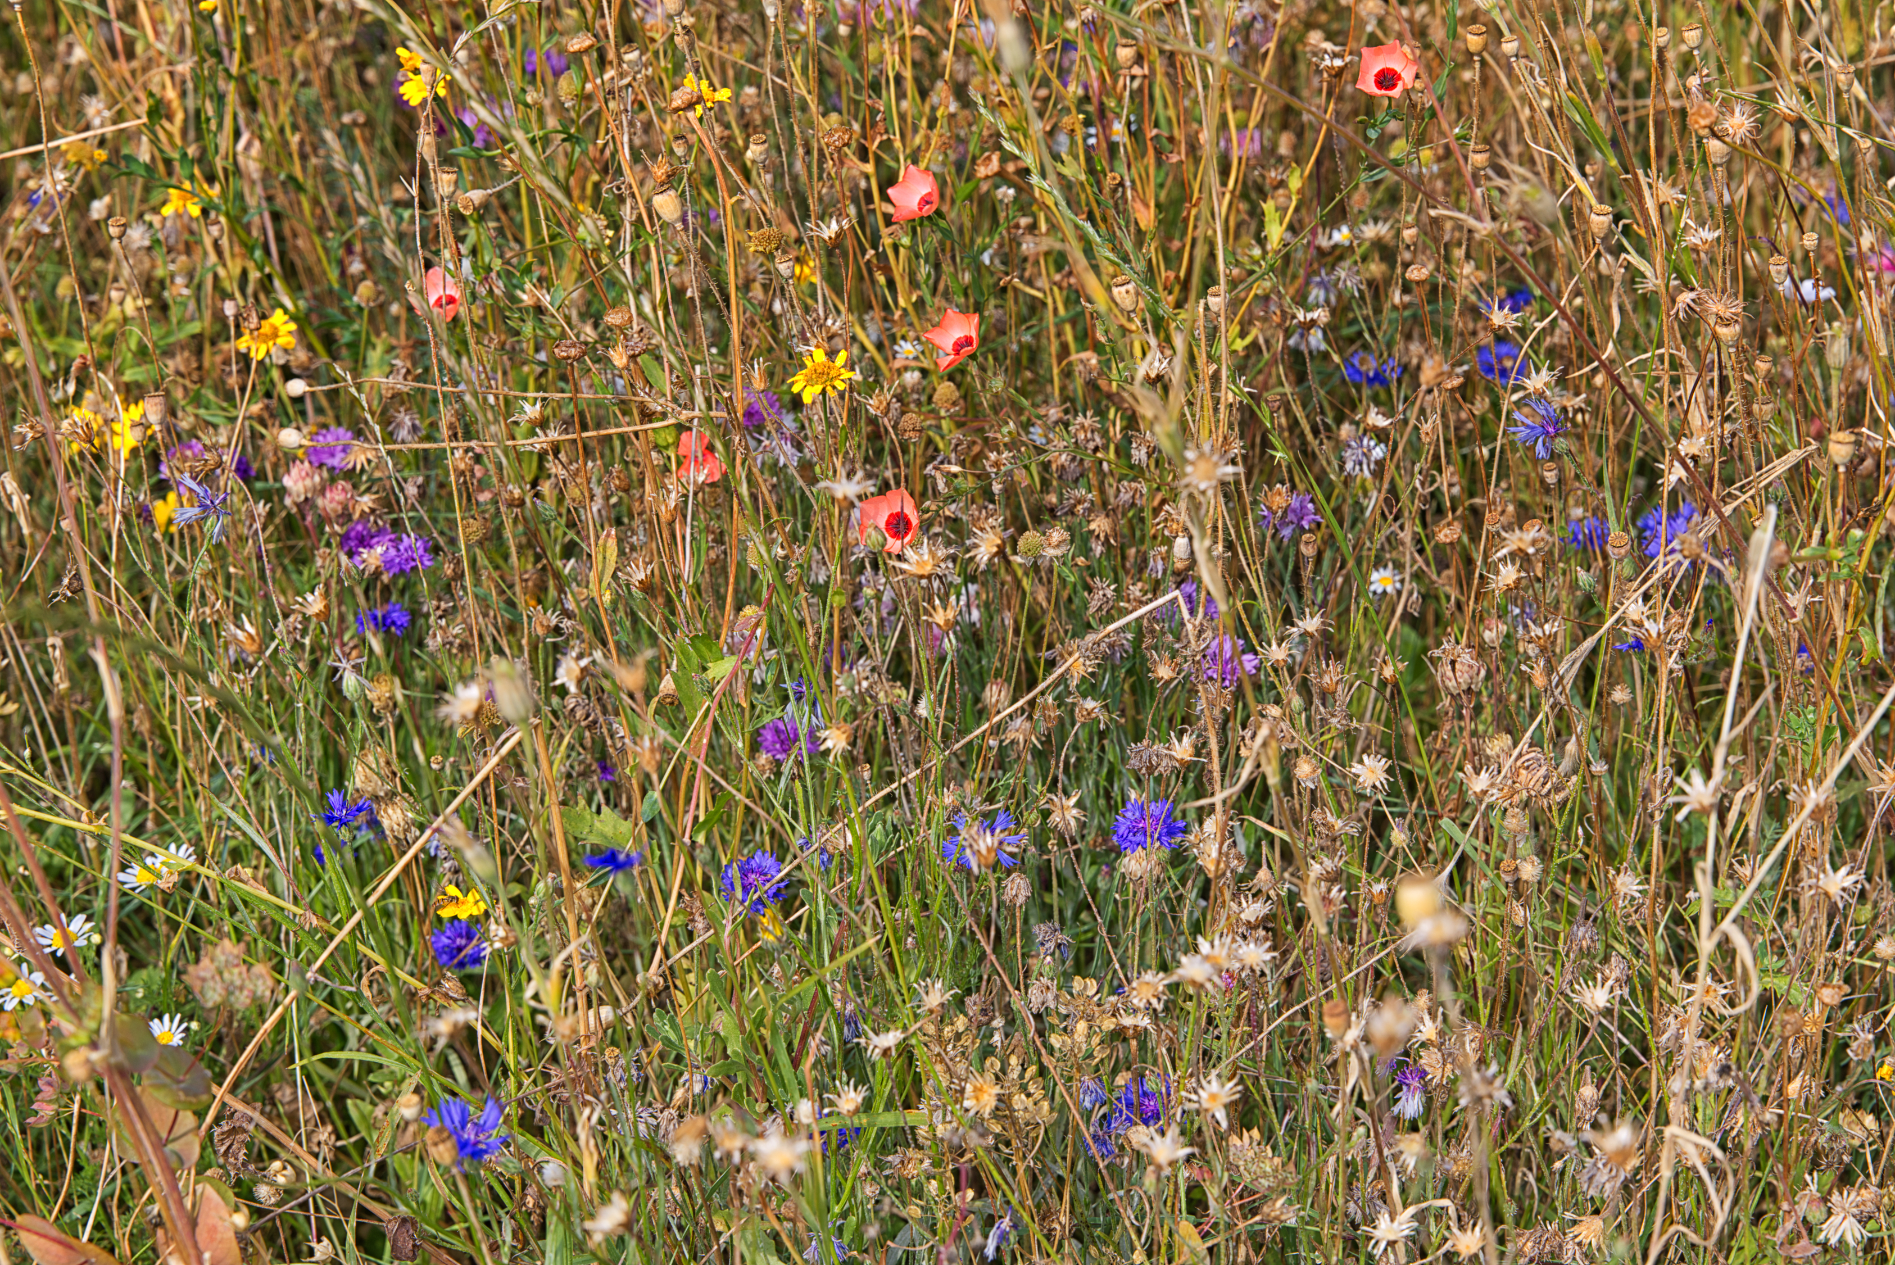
(1387, 71)
(895, 513)
(443, 292)
(914, 195)
(958, 335)
(696, 461)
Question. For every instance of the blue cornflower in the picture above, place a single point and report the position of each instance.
(1516, 300)
(1499, 362)
(1838, 207)
(209, 505)
(392, 619)
(1141, 1101)
(1201, 606)
(606, 772)
(616, 860)
(458, 946)
(1299, 515)
(1144, 823)
(960, 845)
(998, 1236)
(343, 814)
(1636, 643)
(753, 881)
(814, 1251)
(1361, 455)
(1092, 1094)
(1228, 661)
(1589, 533)
(782, 739)
(476, 1138)
(554, 60)
(1363, 369)
(1659, 531)
(1538, 428)
(762, 408)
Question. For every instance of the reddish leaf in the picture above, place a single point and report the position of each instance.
(47, 1244)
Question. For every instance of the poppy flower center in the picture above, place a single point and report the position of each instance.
(1388, 79)
(898, 526)
(925, 203)
(963, 345)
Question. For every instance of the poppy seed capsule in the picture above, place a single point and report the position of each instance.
(1842, 447)
(668, 205)
(1477, 39)
(156, 408)
(1810, 243)
(1728, 332)
(1126, 54)
(759, 149)
(1661, 37)
(581, 43)
(1779, 270)
(1693, 36)
(1418, 273)
(116, 227)
(1480, 157)
(1214, 301)
(1600, 222)
(1618, 545)
(1717, 151)
(1846, 81)
(1510, 46)
(1124, 293)
(683, 99)
(786, 264)
(470, 201)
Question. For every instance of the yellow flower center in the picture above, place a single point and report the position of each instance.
(22, 988)
(165, 1036)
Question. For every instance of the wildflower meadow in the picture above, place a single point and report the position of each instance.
(1152, 631)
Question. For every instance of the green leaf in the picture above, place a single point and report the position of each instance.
(604, 827)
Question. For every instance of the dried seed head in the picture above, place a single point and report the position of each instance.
(1510, 46)
(1126, 54)
(1717, 151)
(759, 150)
(1600, 222)
(1661, 38)
(1693, 36)
(1618, 545)
(581, 43)
(116, 226)
(684, 98)
(1480, 157)
(1842, 447)
(1124, 293)
(1779, 270)
(668, 205)
(1810, 243)
(1477, 39)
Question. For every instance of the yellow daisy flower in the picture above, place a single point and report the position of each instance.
(276, 330)
(712, 96)
(121, 434)
(419, 80)
(207, 6)
(822, 374)
(186, 200)
(161, 512)
(454, 903)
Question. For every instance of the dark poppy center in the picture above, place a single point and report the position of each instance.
(963, 345)
(1388, 79)
(898, 526)
(925, 203)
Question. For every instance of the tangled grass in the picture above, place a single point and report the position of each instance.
(911, 631)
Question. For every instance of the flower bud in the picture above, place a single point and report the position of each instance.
(1477, 39)
(296, 388)
(289, 439)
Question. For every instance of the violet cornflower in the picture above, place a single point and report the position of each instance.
(1540, 428)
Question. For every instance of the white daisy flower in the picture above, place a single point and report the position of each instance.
(26, 990)
(1384, 581)
(78, 932)
(136, 878)
(168, 1029)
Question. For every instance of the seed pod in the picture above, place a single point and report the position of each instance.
(1477, 39)
(471, 201)
(156, 408)
(568, 350)
(1693, 36)
(295, 388)
(1418, 273)
(759, 150)
(1842, 447)
(1309, 544)
(669, 205)
(1779, 270)
(1810, 243)
(1214, 301)
(683, 99)
(785, 264)
(1618, 546)
(1510, 46)
(1124, 293)
(1764, 367)
(1717, 151)
(618, 317)
(1480, 157)
(1126, 54)
(116, 227)
(1661, 38)
(1600, 222)
(581, 43)
(1549, 473)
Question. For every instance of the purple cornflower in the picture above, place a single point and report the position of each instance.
(1589, 533)
(1092, 1094)
(483, 135)
(330, 447)
(476, 1138)
(407, 553)
(1299, 515)
(781, 739)
(1518, 300)
(606, 772)
(188, 451)
(458, 946)
(554, 61)
(206, 504)
(1499, 362)
(1539, 428)
(1145, 823)
(392, 619)
(959, 847)
(753, 881)
(1411, 1079)
(1363, 369)
(762, 408)
(1226, 661)
(1202, 606)
(1659, 531)
(616, 860)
